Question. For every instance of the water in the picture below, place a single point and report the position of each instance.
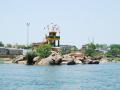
(77, 77)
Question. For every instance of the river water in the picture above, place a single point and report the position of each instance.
(64, 77)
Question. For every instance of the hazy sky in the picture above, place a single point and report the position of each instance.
(80, 21)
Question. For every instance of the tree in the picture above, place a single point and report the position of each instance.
(44, 50)
(101, 46)
(30, 56)
(114, 50)
(90, 49)
(1, 44)
(9, 45)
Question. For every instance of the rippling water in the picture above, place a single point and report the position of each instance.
(76, 77)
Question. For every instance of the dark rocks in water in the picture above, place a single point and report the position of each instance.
(55, 62)
(95, 62)
(52, 62)
(71, 62)
(58, 61)
(90, 62)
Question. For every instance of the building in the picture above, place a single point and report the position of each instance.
(52, 38)
(3, 51)
(10, 51)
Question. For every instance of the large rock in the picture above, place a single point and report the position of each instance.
(45, 61)
(22, 62)
(77, 61)
(36, 59)
(58, 61)
(71, 62)
(53, 59)
(18, 58)
(90, 62)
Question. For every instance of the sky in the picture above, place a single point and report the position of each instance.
(80, 21)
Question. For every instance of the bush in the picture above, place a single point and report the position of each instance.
(90, 50)
(68, 49)
(114, 50)
(64, 51)
(44, 50)
(30, 56)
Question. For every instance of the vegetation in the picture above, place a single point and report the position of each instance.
(95, 50)
(44, 50)
(1, 44)
(30, 56)
(68, 49)
(90, 50)
(9, 46)
(114, 51)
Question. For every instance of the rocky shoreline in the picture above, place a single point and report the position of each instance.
(57, 59)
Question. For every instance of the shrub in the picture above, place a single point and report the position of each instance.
(90, 50)
(44, 50)
(30, 56)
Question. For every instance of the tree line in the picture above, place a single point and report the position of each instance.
(93, 50)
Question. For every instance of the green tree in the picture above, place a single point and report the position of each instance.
(90, 49)
(101, 46)
(30, 56)
(9, 45)
(114, 50)
(1, 44)
(44, 50)
(68, 49)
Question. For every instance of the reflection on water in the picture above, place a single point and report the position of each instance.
(76, 77)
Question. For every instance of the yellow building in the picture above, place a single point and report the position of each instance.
(53, 39)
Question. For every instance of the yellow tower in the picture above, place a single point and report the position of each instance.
(53, 38)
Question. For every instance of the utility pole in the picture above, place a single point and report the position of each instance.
(27, 37)
(27, 33)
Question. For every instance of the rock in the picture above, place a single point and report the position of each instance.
(90, 61)
(51, 60)
(71, 62)
(56, 58)
(22, 62)
(58, 61)
(96, 62)
(18, 58)
(104, 60)
(36, 59)
(45, 61)
(77, 61)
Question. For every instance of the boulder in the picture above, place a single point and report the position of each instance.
(45, 61)
(22, 62)
(36, 59)
(51, 60)
(58, 61)
(90, 61)
(71, 62)
(77, 61)
(18, 58)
